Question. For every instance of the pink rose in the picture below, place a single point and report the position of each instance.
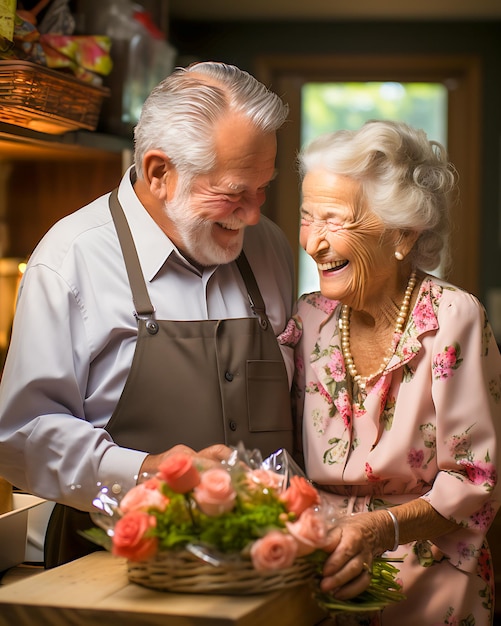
(276, 550)
(300, 495)
(415, 458)
(343, 405)
(292, 333)
(310, 532)
(131, 539)
(323, 392)
(215, 494)
(336, 365)
(144, 496)
(482, 519)
(480, 472)
(446, 362)
(423, 315)
(179, 473)
(262, 478)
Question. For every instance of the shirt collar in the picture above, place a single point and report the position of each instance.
(425, 311)
(423, 319)
(152, 244)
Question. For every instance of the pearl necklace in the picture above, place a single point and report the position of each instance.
(344, 326)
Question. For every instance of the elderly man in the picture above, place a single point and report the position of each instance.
(147, 320)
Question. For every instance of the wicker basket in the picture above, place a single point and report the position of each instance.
(181, 572)
(45, 100)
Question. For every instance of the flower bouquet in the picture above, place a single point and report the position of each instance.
(246, 526)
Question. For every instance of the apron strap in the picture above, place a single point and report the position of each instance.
(255, 298)
(140, 297)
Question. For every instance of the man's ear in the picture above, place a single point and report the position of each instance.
(160, 175)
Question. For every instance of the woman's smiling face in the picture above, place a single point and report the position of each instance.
(353, 251)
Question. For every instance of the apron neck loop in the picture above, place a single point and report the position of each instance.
(142, 303)
(143, 307)
(255, 299)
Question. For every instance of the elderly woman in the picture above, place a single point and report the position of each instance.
(398, 382)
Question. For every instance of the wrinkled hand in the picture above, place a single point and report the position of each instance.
(353, 543)
(211, 455)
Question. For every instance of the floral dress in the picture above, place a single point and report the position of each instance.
(428, 427)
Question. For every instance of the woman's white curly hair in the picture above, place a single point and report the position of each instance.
(405, 178)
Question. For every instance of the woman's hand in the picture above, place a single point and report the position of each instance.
(356, 539)
(353, 543)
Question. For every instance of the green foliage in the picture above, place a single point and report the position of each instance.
(382, 591)
(183, 523)
(97, 536)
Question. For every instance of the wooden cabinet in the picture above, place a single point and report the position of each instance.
(45, 177)
(42, 179)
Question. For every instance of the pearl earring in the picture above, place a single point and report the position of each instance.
(399, 256)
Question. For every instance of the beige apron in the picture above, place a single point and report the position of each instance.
(191, 382)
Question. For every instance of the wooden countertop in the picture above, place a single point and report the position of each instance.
(96, 590)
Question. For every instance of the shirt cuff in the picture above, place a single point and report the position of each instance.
(119, 468)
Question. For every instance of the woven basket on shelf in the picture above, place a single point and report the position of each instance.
(181, 572)
(51, 101)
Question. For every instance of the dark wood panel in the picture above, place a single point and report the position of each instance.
(39, 193)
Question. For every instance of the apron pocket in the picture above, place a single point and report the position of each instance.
(268, 396)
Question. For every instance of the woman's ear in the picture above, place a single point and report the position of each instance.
(405, 242)
(160, 175)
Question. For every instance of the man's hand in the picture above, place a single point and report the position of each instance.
(207, 457)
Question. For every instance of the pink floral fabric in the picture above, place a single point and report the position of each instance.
(428, 427)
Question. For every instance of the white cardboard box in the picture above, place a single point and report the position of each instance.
(13, 530)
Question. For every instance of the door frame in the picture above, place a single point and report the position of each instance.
(460, 74)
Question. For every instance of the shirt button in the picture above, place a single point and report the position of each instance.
(116, 489)
(233, 425)
(228, 376)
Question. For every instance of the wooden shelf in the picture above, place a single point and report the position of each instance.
(44, 177)
(17, 143)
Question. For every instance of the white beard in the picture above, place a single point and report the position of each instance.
(197, 241)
